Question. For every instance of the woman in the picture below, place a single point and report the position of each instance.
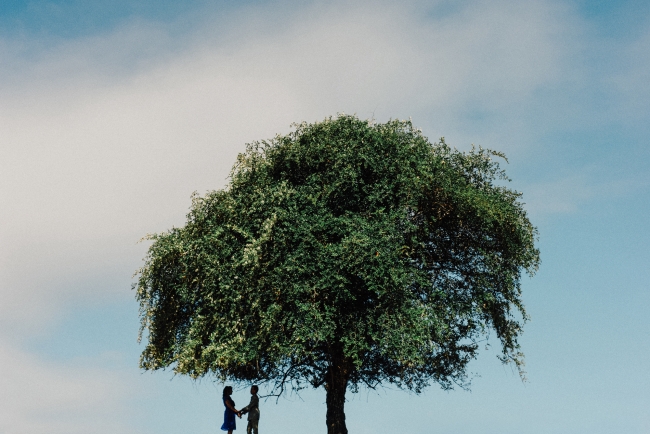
(231, 411)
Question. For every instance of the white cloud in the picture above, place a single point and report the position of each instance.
(559, 196)
(105, 138)
(568, 194)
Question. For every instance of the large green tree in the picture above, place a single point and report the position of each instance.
(345, 253)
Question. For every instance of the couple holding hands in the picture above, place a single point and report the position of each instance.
(252, 409)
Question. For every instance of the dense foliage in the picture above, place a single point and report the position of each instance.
(345, 253)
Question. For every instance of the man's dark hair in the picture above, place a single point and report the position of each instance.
(254, 386)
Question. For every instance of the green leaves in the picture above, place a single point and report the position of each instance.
(343, 234)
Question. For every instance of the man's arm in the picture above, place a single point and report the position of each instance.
(251, 405)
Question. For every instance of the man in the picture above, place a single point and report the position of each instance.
(253, 410)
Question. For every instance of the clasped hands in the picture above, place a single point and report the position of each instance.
(240, 413)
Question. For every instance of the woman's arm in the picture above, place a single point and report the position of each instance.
(228, 403)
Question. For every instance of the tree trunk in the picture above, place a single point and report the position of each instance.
(336, 386)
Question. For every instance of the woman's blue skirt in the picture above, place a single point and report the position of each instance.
(228, 420)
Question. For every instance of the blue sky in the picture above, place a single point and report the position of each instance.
(113, 113)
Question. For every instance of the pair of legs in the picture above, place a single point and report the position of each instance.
(252, 427)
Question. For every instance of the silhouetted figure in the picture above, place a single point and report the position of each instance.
(253, 410)
(230, 412)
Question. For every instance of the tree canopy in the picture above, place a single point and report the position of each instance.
(345, 253)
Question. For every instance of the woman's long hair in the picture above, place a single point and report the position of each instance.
(227, 391)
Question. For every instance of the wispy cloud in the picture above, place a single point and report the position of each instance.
(105, 138)
(570, 193)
